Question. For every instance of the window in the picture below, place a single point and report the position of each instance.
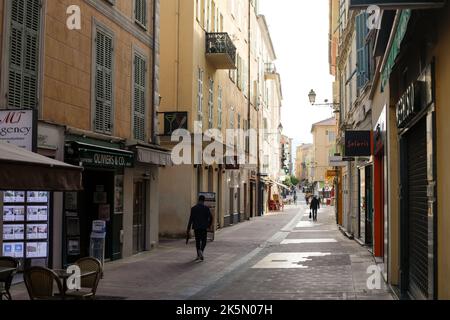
(331, 137)
(139, 97)
(219, 108)
(140, 12)
(239, 72)
(103, 117)
(362, 50)
(211, 104)
(231, 118)
(24, 54)
(200, 95)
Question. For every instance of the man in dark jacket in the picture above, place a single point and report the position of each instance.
(315, 205)
(201, 220)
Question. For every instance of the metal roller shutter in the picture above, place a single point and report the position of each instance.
(418, 211)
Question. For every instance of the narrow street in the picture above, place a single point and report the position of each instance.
(281, 256)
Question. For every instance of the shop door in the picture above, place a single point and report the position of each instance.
(369, 207)
(417, 203)
(139, 217)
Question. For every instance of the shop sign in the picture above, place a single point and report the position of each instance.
(337, 161)
(106, 160)
(396, 4)
(358, 143)
(417, 97)
(19, 128)
(331, 174)
(174, 121)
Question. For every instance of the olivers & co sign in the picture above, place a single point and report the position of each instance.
(106, 160)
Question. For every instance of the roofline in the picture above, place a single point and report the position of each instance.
(266, 32)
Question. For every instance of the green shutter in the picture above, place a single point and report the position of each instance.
(103, 121)
(24, 54)
(139, 103)
(362, 50)
(140, 12)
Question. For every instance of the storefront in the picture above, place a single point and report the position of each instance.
(102, 198)
(27, 222)
(416, 123)
(365, 229)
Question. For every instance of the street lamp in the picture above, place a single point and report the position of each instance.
(312, 98)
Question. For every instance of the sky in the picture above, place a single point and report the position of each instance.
(299, 31)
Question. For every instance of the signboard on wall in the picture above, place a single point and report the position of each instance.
(19, 128)
(358, 143)
(396, 4)
(174, 121)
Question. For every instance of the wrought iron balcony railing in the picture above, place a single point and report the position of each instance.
(220, 50)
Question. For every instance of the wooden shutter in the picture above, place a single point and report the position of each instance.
(139, 103)
(103, 119)
(24, 54)
(362, 50)
(140, 12)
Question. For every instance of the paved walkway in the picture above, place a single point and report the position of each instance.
(279, 256)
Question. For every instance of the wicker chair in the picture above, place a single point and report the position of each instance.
(89, 283)
(40, 283)
(6, 279)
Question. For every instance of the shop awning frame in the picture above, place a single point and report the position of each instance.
(21, 169)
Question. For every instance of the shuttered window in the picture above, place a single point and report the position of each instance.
(139, 97)
(140, 12)
(362, 50)
(219, 109)
(24, 54)
(211, 103)
(103, 117)
(200, 95)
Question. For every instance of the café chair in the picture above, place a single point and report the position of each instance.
(40, 283)
(7, 278)
(89, 283)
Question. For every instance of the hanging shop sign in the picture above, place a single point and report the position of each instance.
(418, 96)
(337, 161)
(19, 127)
(396, 4)
(358, 143)
(174, 121)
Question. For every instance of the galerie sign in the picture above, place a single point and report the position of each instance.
(358, 143)
(397, 4)
(17, 127)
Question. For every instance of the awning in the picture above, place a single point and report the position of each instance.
(24, 170)
(153, 156)
(281, 185)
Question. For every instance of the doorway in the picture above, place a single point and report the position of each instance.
(139, 220)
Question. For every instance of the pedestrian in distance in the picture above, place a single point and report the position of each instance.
(200, 220)
(315, 206)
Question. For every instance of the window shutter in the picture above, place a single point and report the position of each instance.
(362, 50)
(24, 54)
(140, 14)
(103, 121)
(139, 108)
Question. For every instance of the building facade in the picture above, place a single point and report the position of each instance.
(401, 73)
(216, 73)
(302, 162)
(90, 76)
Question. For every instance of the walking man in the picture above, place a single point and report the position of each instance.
(201, 220)
(315, 205)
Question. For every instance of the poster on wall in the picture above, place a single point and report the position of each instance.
(13, 249)
(18, 127)
(118, 195)
(104, 212)
(13, 232)
(14, 197)
(73, 246)
(71, 201)
(36, 250)
(37, 231)
(13, 213)
(37, 213)
(37, 197)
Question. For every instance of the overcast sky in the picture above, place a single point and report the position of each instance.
(299, 31)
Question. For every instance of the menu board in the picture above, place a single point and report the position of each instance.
(13, 213)
(13, 249)
(25, 224)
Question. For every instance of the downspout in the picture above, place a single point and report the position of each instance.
(155, 77)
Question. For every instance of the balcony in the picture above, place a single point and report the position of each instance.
(220, 51)
(270, 72)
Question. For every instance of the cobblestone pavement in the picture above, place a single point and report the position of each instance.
(281, 256)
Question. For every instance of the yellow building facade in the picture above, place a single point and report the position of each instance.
(324, 145)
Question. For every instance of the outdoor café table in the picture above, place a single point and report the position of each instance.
(64, 276)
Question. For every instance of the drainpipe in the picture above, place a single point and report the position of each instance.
(155, 77)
